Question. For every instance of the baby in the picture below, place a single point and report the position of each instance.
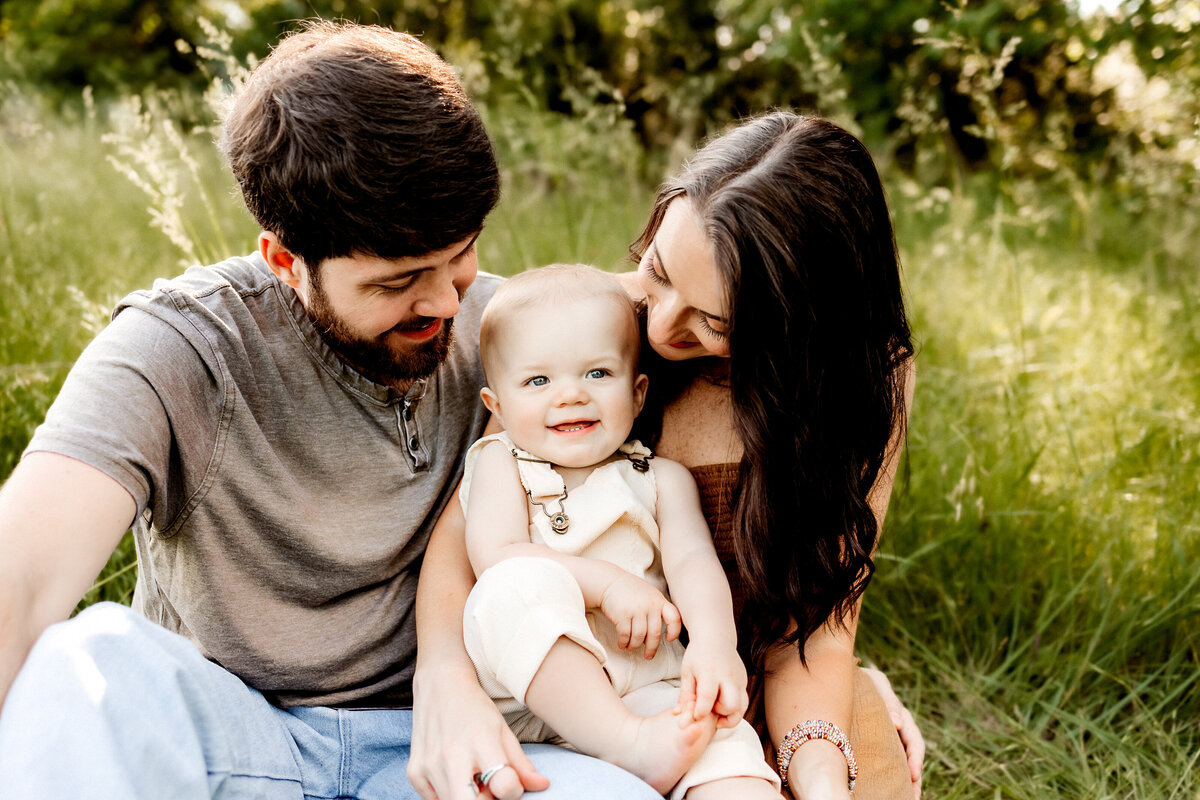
(577, 535)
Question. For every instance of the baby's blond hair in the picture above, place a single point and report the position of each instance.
(556, 283)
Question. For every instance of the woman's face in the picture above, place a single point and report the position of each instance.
(687, 316)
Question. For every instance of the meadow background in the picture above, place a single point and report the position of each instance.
(1037, 603)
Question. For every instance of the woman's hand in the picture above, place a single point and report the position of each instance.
(818, 772)
(639, 611)
(906, 726)
(457, 734)
(712, 681)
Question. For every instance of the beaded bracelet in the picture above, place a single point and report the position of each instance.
(806, 732)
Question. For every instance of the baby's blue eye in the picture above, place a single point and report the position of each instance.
(597, 373)
(538, 380)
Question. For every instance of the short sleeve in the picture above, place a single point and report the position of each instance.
(139, 405)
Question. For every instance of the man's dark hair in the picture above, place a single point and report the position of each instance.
(353, 139)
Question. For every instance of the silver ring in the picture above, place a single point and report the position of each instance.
(481, 778)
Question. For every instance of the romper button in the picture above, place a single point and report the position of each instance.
(414, 443)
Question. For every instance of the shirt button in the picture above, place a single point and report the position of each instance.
(414, 443)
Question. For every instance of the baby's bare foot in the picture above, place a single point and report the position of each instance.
(659, 751)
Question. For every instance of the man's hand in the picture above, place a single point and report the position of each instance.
(639, 611)
(457, 734)
(713, 681)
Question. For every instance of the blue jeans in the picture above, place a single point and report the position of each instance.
(110, 705)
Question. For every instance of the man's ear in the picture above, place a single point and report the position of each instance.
(640, 384)
(491, 402)
(279, 259)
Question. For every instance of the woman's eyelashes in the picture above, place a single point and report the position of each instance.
(709, 329)
(652, 271)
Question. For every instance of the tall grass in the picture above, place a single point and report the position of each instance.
(1038, 600)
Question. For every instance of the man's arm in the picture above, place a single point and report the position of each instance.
(457, 730)
(60, 520)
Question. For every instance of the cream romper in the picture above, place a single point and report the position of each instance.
(521, 606)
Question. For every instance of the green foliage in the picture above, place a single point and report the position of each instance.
(968, 83)
(1037, 589)
(98, 43)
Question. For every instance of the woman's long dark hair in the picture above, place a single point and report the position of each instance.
(819, 340)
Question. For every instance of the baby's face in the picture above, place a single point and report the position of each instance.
(567, 388)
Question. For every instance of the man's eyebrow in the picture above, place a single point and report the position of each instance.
(388, 277)
(663, 265)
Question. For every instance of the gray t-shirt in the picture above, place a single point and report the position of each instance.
(284, 500)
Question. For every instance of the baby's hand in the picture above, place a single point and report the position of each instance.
(713, 681)
(639, 611)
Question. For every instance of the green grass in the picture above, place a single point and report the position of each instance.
(1037, 602)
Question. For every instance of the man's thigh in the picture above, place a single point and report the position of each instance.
(363, 753)
(574, 775)
(111, 705)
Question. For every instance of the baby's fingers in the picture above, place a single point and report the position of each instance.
(674, 621)
(653, 634)
(637, 634)
(624, 632)
(732, 701)
(687, 694)
(706, 697)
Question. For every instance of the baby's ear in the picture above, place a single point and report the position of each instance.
(640, 384)
(491, 402)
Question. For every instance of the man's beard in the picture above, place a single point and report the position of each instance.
(374, 357)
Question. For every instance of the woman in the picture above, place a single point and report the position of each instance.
(772, 286)
(770, 276)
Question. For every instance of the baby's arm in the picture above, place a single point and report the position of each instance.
(713, 675)
(498, 528)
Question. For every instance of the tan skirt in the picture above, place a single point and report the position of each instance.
(882, 767)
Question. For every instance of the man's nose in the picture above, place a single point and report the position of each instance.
(440, 299)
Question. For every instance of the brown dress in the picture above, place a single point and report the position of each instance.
(882, 768)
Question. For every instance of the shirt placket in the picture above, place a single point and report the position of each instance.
(409, 427)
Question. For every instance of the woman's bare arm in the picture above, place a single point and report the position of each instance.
(825, 688)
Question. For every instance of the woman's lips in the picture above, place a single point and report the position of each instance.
(683, 345)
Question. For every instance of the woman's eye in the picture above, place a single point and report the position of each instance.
(716, 334)
(597, 373)
(652, 273)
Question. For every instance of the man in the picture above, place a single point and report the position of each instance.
(284, 432)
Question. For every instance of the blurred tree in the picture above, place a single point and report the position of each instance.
(1003, 83)
(110, 46)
